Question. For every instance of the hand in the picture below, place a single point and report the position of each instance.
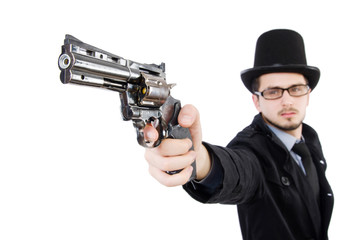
(175, 154)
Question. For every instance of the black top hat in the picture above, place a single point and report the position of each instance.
(280, 50)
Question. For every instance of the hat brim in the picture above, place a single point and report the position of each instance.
(311, 73)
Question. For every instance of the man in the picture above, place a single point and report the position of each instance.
(273, 170)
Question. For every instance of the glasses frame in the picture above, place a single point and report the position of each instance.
(283, 89)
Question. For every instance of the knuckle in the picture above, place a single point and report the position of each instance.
(168, 183)
(164, 146)
(189, 143)
(147, 155)
(150, 171)
(166, 180)
(192, 157)
(155, 173)
(166, 166)
(150, 156)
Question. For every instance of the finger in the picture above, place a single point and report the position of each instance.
(171, 180)
(150, 133)
(170, 163)
(189, 117)
(173, 147)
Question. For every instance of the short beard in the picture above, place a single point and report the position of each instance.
(284, 128)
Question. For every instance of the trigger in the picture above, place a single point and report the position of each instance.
(153, 122)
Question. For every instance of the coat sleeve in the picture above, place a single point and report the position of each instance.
(240, 181)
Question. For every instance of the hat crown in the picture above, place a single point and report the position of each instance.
(280, 47)
(280, 50)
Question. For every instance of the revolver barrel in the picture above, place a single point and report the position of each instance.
(83, 64)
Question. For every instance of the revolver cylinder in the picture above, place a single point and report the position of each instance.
(154, 91)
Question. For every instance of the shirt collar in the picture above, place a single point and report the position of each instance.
(287, 139)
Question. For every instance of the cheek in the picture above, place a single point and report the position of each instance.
(302, 105)
(268, 107)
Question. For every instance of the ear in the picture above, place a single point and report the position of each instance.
(256, 102)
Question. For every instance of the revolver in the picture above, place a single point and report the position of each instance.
(143, 90)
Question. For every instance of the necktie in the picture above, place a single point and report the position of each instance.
(311, 173)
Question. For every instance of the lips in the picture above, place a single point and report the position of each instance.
(288, 113)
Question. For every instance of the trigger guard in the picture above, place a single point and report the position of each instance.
(141, 137)
(141, 141)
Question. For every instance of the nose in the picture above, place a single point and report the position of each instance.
(286, 99)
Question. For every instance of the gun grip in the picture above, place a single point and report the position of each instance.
(178, 132)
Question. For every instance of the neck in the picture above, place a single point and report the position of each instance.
(297, 133)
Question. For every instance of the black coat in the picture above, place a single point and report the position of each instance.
(273, 198)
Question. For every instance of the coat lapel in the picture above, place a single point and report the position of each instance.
(304, 189)
(326, 194)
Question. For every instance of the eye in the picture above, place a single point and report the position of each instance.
(272, 92)
(296, 89)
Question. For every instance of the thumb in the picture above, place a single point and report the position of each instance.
(189, 117)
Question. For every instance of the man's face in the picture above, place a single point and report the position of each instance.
(287, 112)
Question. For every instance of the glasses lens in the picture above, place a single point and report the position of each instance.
(298, 90)
(272, 93)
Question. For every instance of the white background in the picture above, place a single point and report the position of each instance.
(70, 168)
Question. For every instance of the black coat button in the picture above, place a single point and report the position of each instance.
(285, 181)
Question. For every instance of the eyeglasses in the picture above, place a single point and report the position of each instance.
(275, 93)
